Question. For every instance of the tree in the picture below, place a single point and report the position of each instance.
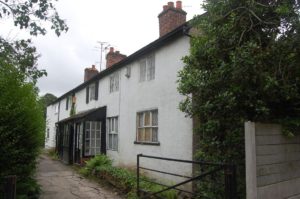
(28, 14)
(23, 56)
(21, 129)
(21, 117)
(45, 100)
(244, 65)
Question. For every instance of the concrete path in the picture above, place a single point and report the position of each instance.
(59, 181)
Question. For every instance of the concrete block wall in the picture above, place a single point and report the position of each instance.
(272, 162)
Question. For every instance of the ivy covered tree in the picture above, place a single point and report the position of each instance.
(244, 64)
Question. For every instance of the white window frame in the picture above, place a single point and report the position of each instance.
(90, 142)
(48, 133)
(147, 68)
(92, 90)
(151, 127)
(114, 82)
(56, 109)
(112, 125)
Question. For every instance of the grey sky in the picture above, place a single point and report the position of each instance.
(126, 25)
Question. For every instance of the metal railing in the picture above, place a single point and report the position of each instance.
(208, 173)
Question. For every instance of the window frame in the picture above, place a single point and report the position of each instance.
(92, 139)
(48, 133)
(56, 107)
(114, 82)
(153, 140)
(112, 123)
(147, 68)
(92, 91)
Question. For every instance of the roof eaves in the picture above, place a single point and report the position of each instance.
(179, 31)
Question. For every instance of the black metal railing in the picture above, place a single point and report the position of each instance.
(214, 178)
(8, 187)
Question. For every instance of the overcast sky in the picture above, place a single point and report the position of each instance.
(127, 25)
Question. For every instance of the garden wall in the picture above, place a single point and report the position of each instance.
(272, 162)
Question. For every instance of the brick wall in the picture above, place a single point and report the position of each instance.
(171, 17)
(90, 72)
(113, 57)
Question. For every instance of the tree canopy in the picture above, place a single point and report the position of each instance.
(28, 14)
(22, 124)
(45, 100)
(21, 129)
(244, 65)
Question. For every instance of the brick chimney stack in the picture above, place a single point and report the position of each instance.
(89, 73)
(171, 17)
(113, 57)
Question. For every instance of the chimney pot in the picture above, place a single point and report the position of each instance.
(113, 58)
(111, 49)
(90, 73)
(178, 5)
(171, 18)
(171, 4)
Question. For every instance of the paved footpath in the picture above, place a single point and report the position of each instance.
(59, 181)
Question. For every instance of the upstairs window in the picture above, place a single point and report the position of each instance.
(68, 102)
(147, 68)
(147, 126)
(92, 92)
(48, 133)
(56, 109)
(114, 82)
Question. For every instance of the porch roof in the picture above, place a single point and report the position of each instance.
(91, 114)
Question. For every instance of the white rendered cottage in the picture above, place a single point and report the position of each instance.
(131, 107)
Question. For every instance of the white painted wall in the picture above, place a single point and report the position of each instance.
(174, 131)
(52, 118)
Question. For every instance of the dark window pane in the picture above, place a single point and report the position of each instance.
(98, 125)
(154, 118)
(148, 135)
(154, 135)
(147, 118)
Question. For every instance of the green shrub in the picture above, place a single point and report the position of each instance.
(123, 179)
(21, 128)
(97, 162)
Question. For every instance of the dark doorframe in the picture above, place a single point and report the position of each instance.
(77, 147)
(71, 144)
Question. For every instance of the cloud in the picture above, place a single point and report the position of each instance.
(127, 25)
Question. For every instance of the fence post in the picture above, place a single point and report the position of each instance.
(10, 187)
(230, 182)
(138, 175)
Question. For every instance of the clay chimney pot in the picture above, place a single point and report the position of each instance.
(170, 18)
(178, 5)
(171, 4)
(111, 49)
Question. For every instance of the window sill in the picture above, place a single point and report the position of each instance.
(147, 143)
(115, 150)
